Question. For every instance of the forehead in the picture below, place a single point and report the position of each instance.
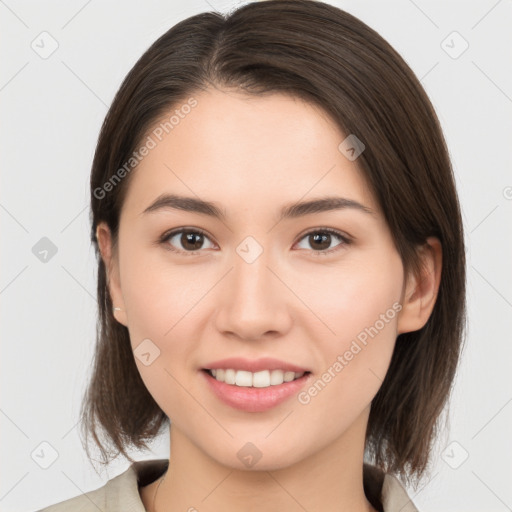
(246, 151)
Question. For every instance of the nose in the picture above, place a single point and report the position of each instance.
(254, 302)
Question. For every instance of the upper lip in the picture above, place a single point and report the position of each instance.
(256, 365)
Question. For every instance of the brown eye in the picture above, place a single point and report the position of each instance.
(320, 240)
(186, 240)
(191, 241)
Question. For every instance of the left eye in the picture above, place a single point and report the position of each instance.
(322, 238)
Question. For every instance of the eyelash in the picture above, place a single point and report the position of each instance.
(164, 239)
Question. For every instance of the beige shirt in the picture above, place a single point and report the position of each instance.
(121, 494)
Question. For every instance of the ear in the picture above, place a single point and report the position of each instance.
(110, 259)
(420, 294)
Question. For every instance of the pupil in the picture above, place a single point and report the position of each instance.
(319, 238)
(187, 238)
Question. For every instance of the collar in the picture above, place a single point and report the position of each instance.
(383, 490)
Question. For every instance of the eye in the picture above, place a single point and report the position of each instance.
(321, 238)
(191, 240)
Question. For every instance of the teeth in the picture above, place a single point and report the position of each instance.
(261, 379)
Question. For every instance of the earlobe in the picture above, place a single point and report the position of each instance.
(104, 238)
(420, 293)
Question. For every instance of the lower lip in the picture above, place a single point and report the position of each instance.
(254, 399)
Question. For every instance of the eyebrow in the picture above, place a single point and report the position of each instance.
(289, 211)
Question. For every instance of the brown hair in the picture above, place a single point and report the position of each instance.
(322, 54)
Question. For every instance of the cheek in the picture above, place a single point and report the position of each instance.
(159, 302)
(158, 294)
(360, 306)
(353, 296)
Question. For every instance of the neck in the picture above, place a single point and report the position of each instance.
(330, 480)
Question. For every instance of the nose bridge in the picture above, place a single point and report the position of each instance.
(255, 301)
(251, 275)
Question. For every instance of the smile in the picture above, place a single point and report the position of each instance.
(250, 398)
(261, 379)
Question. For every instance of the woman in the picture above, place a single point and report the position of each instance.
(281, 271)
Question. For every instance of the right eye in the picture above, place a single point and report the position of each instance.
(191, 240)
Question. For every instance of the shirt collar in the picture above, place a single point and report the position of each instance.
(384, 491)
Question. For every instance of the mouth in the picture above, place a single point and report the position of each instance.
(256, 392)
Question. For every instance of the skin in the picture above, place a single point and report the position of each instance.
(252, 155)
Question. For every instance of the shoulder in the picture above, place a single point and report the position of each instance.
(385, 492)
(118, 494)
(395, 497)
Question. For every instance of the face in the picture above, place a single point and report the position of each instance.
(322, 291)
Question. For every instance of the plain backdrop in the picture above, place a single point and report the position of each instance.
(52, 107)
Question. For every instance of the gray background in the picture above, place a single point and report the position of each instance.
(52, 109)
